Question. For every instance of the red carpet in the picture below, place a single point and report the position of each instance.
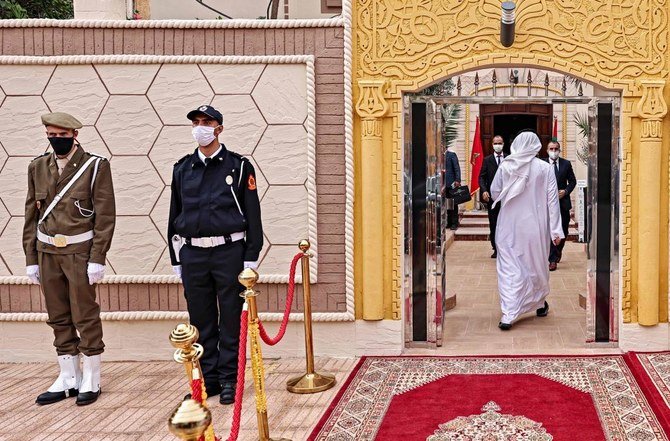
(492, 398)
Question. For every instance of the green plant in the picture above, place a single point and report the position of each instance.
(450, 122)
(584, 129)
(59, 9)
(9, 9)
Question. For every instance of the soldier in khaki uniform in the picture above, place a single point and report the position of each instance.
(70, 216)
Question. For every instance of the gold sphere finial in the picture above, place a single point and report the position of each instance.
(304, 245)
(189, 420)
(248, 277)
(183, 336)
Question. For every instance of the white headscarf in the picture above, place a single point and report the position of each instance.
(517, 165)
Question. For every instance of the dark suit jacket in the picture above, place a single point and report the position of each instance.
(566, 180)
(487, 173)
(452, 170)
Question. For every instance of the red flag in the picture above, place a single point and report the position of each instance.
(476, 160)
(554, 135)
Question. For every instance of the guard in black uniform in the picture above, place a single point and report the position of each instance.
(215, 231)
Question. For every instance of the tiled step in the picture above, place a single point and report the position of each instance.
(480, 219)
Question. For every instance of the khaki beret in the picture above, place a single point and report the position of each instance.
(61, 119)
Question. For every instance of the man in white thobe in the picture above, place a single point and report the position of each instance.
(530, 217)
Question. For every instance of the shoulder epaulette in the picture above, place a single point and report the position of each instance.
(237, 155)
(40, 156)
(182, 159)
(97, 156)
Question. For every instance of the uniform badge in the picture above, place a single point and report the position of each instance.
(38, 204)
(202, 108)
(251, 183)
(229, 180)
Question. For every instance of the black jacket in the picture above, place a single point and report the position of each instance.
(452, 170)
(487, 173)
(214, 200)
(566, 180)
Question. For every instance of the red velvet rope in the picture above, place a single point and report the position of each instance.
(289, 301)
(241, 367)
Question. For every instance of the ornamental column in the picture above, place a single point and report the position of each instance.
(651, 110)
(371, 107)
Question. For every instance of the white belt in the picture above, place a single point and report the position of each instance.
(215, 241)
(60, 240)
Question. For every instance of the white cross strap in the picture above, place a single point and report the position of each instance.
(60, 195)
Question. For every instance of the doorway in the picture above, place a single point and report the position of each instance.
(426, 280)
(507, 120)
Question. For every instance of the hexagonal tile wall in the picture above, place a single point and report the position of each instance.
(137, 185)
(177, 90)
(281, 94)
(135, 115)
(76, 90)
(232, 79)
(127, 79)
(25, 80)
(12, 249)
(171, 145)
(278, 152)
(137, 246)
(243, 123)
(129, 125)
(90, 140)
(28, 139)
(14, 184)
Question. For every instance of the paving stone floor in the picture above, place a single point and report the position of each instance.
(472, 326)
(138, 397)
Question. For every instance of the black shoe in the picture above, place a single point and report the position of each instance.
(494, 255)
(453, 227)
(212, 389)
(187, 397)
(227, 393)
(505, 326)
(86, 398)
(542, 312)
(55, 397)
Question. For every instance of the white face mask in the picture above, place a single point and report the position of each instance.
(498, 148)
(203, 135)
(553, 154)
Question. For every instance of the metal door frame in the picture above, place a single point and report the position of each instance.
(602, 306)
(432, 314)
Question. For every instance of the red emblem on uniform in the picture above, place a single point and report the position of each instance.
(251, 182)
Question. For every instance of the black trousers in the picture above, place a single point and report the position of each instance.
(557, 250)
(214, 305)
(493, 222)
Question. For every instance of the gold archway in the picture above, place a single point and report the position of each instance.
(405, 45)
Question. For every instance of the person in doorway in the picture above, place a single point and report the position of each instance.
(452, 179)
(69, 224)
(489, 168)
(566, 180)
(215, 231)
(525, 188)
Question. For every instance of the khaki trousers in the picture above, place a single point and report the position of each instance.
(71, 304)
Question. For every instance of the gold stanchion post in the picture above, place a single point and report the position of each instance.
(311, 382)
(248, 278)
(183, 337)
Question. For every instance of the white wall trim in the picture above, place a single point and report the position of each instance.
(309, 61)
(237, 23)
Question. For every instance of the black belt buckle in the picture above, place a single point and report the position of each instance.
(228, 238)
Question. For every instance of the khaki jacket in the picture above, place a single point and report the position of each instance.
(66, 218)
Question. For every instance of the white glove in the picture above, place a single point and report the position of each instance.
(95, 272)
(252, 265)
(33, 273)
(176, 269)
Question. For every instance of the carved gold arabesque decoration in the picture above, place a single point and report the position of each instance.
(652, 108)
(415, 43)
(409, 39)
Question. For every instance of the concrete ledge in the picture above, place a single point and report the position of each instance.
(633, 337)
(148, 340)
